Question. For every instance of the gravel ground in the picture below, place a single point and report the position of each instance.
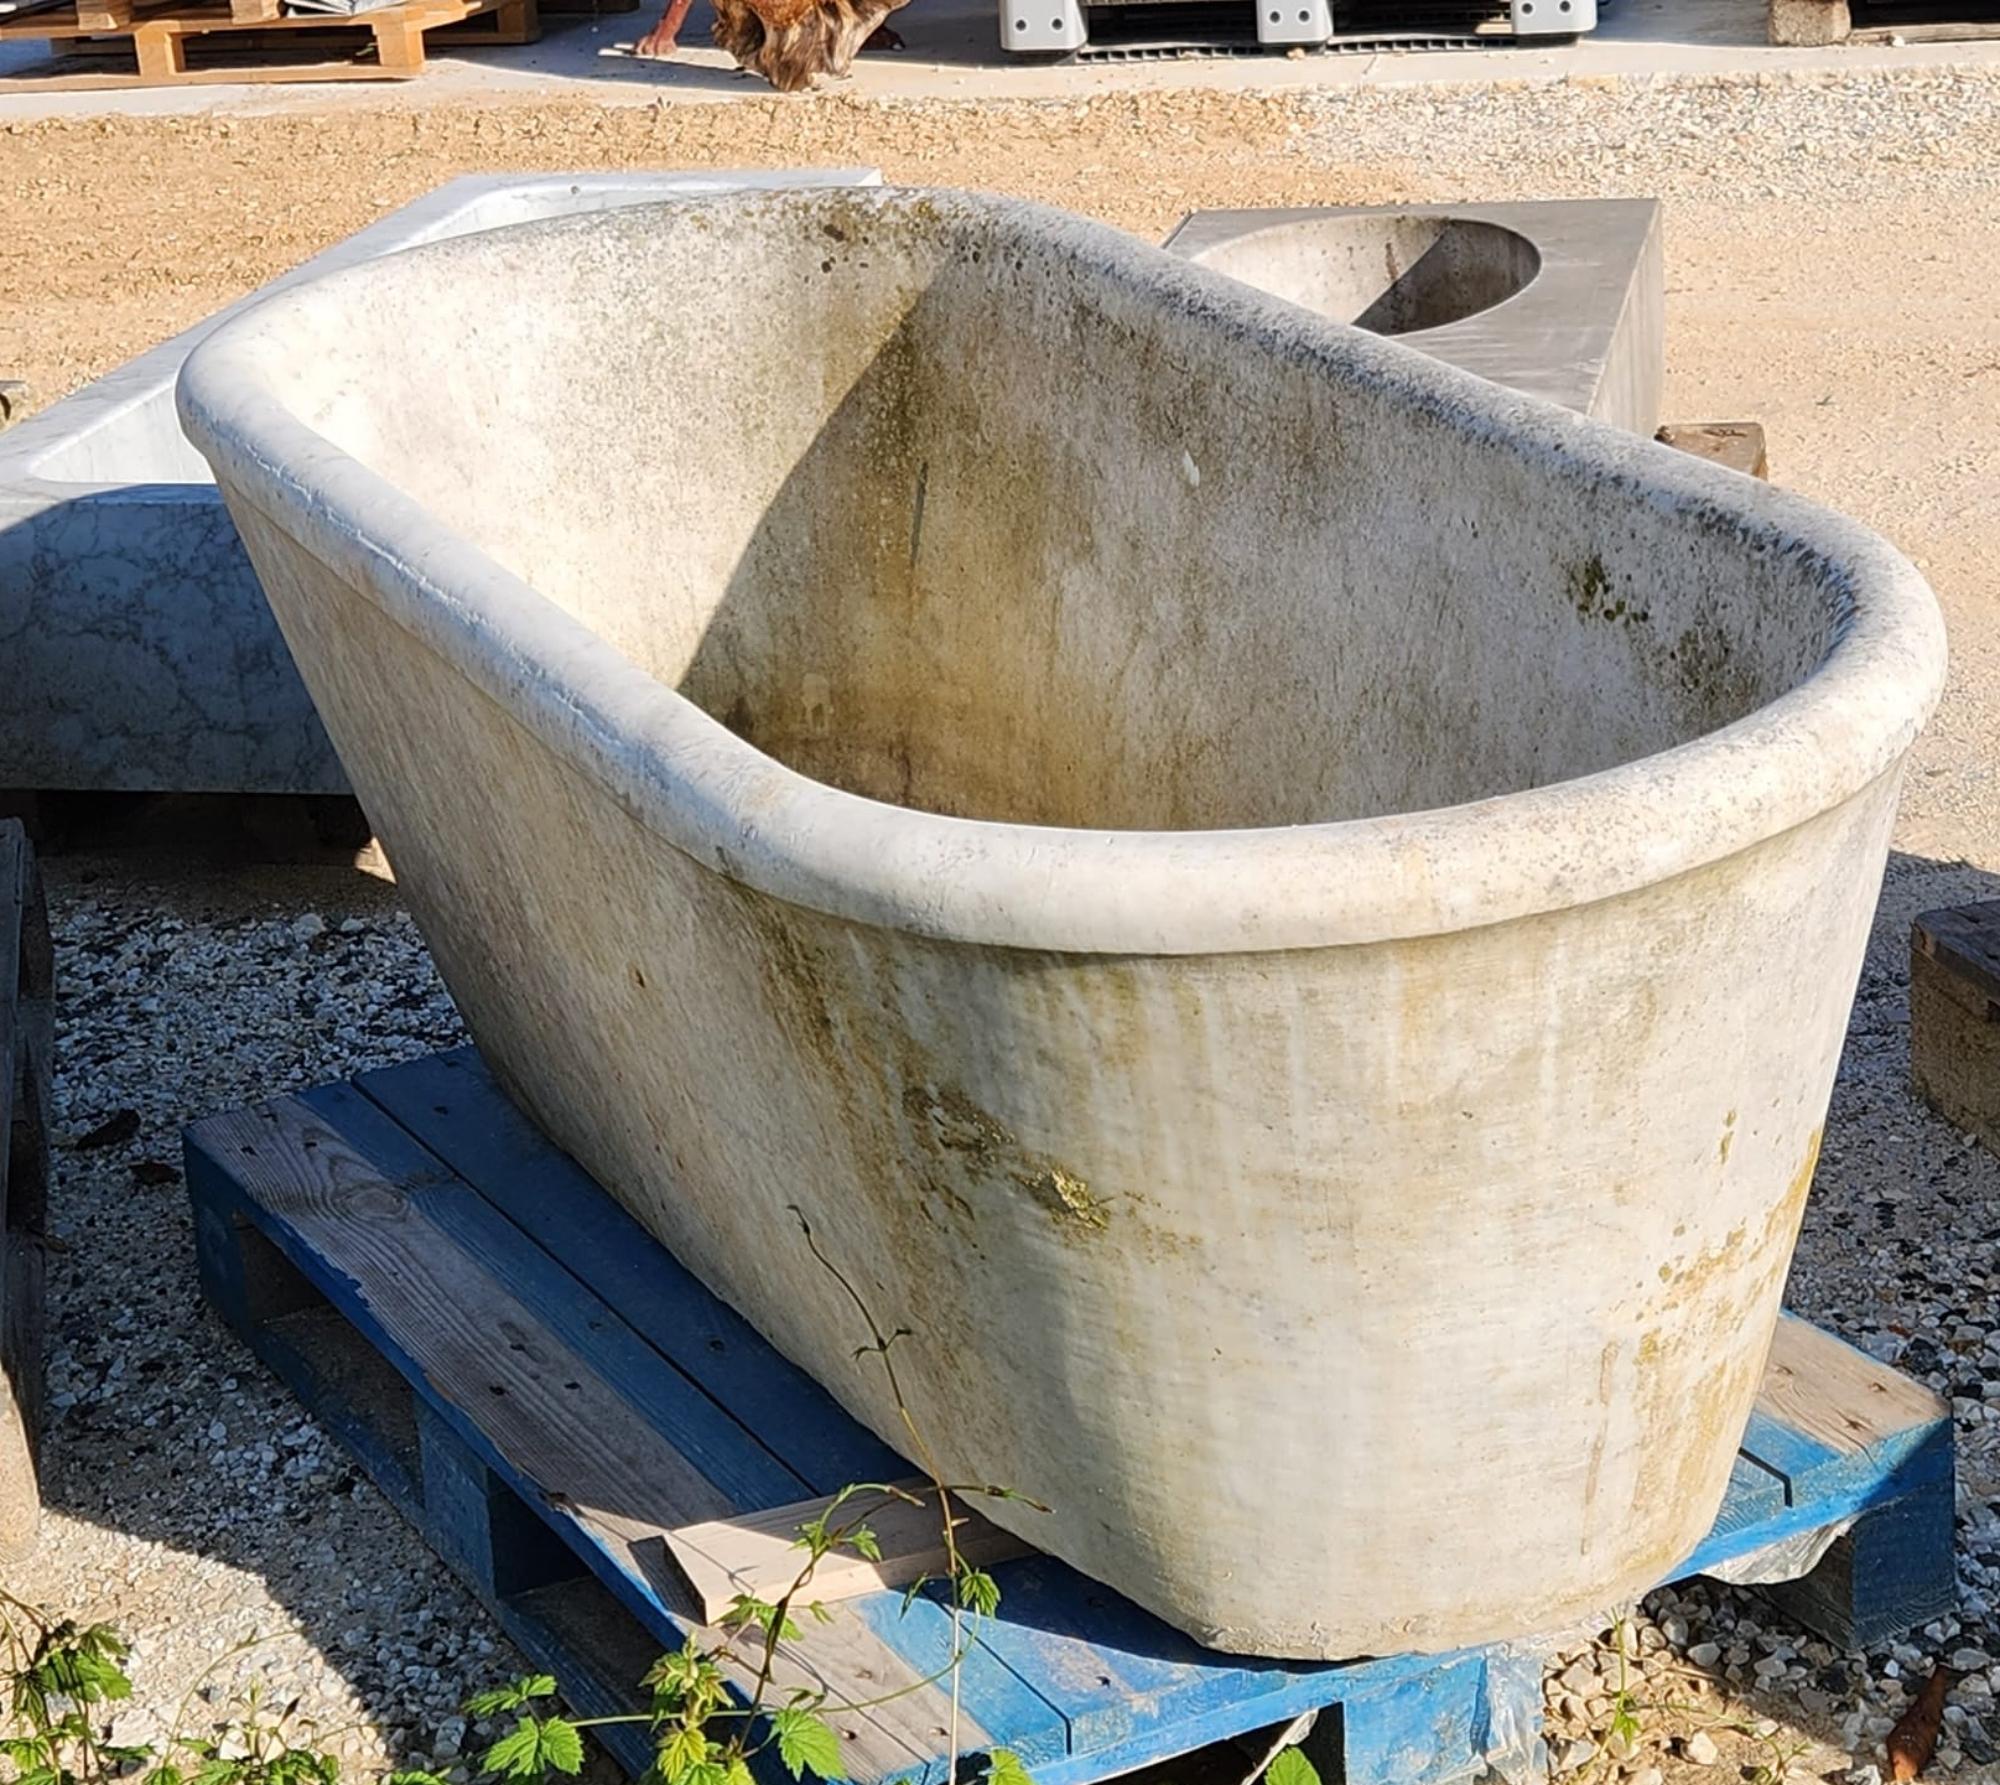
(1832, 255)
(193, 1505)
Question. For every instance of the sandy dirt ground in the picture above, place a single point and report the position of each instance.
(1833, 258)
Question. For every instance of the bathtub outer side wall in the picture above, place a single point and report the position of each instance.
(1133, 1301)
(1129, 1300)
(143, 656)
(1364, 1236)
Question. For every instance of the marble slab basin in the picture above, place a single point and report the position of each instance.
(1287, 910)
(142, 654)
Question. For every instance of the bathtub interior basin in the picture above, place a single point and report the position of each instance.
(145, 657)
(1286, 910)
(786, 544)
(1562, 298)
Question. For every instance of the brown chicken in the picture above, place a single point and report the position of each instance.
(789, 42)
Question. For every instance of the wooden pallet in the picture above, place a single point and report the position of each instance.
(1955, 1016)
(1738, 445)
(27, 1033)
(386, 44)
(554, 1401)
(1814, 24)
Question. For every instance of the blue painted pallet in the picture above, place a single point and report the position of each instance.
(544, 1391)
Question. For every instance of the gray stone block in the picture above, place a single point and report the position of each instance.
(1562, 299)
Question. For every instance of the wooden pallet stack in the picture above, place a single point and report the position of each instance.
(1815, 24)
(154, 38)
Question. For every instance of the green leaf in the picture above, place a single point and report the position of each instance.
(1003, 1767)
(912, 1590)
(744, 1609)
(513, 1696)
(562, 1746)
(300, 1766)
(101, 1639)
(669, 1675)
(681, 1753)
(517, 1754)
(979, 1592)
(416, 1776)
(807, 1744)
(862, 1541)
(100, 1677)
(820, 1614)
(738, 1771)
(1292, 1768)
(83, 1668)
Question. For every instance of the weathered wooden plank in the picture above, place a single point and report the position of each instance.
(1117, 1672)
(1794, 1457)
(1955, 1016)
(562, 1439)
(757, 1553)
(158, 38)
(709, 1437)
(1446, 1731)
(1845, 1437)
(1954, 1054)
(477, 1523)
(1965, 939)
(1842, 1398)
(1891, 1572)
(479, 1348)
(572, 1630)
(26, 1034)
(1755, 1495)
(451, 1104)
(1929, 31)
(440, 1484)
(1080, 1682)
(1117, 1675)
(1736, 445)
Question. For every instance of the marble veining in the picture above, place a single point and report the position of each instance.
(141, 654)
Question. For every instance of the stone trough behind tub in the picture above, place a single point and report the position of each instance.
(1563, 299)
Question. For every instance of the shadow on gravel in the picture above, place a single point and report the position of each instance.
(190, 1502)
